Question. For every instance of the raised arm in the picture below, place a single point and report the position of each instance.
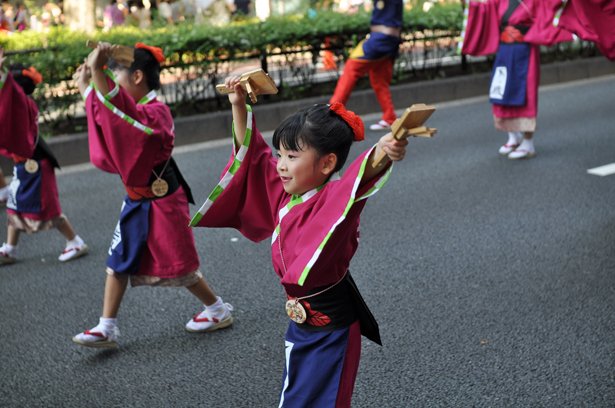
(240, 111)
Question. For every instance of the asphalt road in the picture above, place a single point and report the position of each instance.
(493, 281)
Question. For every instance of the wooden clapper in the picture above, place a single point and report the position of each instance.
(256, 82)
(121, 53)
(411, 124)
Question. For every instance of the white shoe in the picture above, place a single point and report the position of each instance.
(7, 255)
(99, 336)
(382, 125)
(522, 153)
(72, 252)
(205, 322)
(507, 148)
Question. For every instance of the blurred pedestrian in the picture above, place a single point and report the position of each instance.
(164, 8)
(513, 30)
(141, 15)
(375, 55)
(22, 18)
(113, 15)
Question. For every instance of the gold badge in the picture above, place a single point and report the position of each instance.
(31, 166)
(160, 188)
(295, 311)
(380, 4)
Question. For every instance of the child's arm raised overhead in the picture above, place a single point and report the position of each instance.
(240, 112)
(98, 60)
(395, 151)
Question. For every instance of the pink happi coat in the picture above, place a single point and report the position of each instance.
(592, 20)
(482, 37)
(18, 133)
(317, 232)
(129, 139)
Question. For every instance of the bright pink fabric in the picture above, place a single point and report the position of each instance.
(251, 203)
(170, 250)
(543, 32)
(116, 146)
(50, 201)
(18, 119)
(592, 20)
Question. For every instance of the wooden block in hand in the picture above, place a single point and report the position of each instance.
(122, 54)
(410, 124)
(256, 82)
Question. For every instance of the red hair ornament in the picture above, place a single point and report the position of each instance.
(33, 75)
(354, 121)
(158, 54)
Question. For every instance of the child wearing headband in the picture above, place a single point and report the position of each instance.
(131, 133)
(311, 214)
(31, 199)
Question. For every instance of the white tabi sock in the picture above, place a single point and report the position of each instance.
(527, 144)
(215, 308)
(76, 242)
(514, 138)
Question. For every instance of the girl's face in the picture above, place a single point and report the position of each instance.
(129, 81)
(301, 172)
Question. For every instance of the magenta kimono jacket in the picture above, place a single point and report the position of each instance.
(318, 232)
(129, 139)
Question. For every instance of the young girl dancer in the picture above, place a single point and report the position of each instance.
(313, 217)
(131, 134)
(32, 200)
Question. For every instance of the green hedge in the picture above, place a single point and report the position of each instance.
(189, 44)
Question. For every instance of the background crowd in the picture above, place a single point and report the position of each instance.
(22, 15)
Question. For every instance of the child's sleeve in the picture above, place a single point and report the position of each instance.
(18, 119)
(126, 137)
(249, 192)
(481, 31)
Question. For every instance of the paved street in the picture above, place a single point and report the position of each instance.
(493, 281)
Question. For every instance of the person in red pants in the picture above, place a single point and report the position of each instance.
(375, 55)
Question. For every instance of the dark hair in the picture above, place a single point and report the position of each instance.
(317, 127)
(144, 61)
(26, 83)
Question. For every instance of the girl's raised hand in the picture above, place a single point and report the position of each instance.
(394, 149)
(100, 56)
(237, 98)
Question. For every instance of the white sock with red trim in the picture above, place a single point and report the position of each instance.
(216, 308)
(107, 327)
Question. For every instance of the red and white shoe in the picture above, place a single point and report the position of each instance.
(8, 255)
(72, 252)
(508, 147)
(522, 152)
(99, 336)
(205, 322)
(380, 126)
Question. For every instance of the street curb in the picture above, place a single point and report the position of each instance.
(73, 149)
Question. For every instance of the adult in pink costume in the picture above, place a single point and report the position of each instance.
(131, 133)
(33, 204)
(515, 29)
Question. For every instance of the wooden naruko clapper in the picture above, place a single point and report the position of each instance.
(411, 124)
(256, 82)
(122, 54)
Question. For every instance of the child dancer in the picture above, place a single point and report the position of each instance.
(33, 204)
(313, 217)
(131, 134)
